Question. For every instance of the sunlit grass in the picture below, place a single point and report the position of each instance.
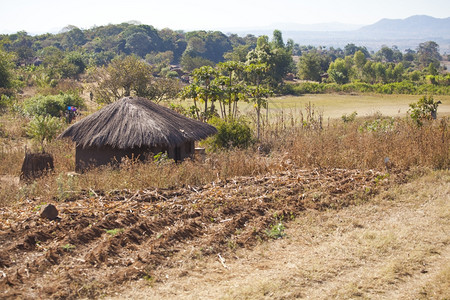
(335, 105)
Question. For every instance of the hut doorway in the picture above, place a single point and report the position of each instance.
(178, 154)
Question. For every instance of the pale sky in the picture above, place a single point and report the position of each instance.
(52, 15)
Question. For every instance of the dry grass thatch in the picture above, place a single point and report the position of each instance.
(136, 122)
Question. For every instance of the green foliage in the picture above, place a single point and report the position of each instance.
(43, 129)
(379, 125)
(5, 102)
(276, 56)
(115, 231)
(68, 247)
(6, 70)
(424, 109)
(204, 88)
(428, 53)
(276, 230)
(309, 67)
(52, 105)
(404, 87)
(190, 63)
(339, 71)
(230, 133)
(349, 118)
(123, 77)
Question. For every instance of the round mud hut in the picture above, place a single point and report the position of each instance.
(134, 127)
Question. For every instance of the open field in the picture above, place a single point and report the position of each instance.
(105, 239)
(335, 105)
(396, 246)
(310, 211)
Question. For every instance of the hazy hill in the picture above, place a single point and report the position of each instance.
(415, 26)
(404, 33)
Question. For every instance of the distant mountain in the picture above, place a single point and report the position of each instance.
(332, 26)
(414, 27)
(404, 33)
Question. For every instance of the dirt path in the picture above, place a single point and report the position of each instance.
(394, 247)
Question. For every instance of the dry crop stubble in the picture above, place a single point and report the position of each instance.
(383, 249)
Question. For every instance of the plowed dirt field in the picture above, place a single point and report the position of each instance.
(102, 239)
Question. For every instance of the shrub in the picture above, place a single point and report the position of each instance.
(53, 105)
(43, 129)
(424, 109)
(349, 118)
(230, 133)
(5, 102)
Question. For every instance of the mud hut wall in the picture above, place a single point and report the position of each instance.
(182, 151)
(94, 157)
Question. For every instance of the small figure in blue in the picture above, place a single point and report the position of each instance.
(71, 113)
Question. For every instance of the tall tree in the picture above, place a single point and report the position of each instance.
(6, 71)
(309, 66)
(233, 88)
(123, 77)
(259, 90)
(275, 55)
(203, 88)
(428, 52)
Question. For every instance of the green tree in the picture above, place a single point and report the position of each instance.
(73, 38)
(351, 49)
(259, 90)
(239, 53)
(6, 72)
(124, 76)
(204, 89)
(428, 52)
(309, 66)
(368, 72)
(232, 85)
(360, 61)
(339, 71)
(139, 43)
(276, 56)
(385, 54)
(190, 63)
(380, 72)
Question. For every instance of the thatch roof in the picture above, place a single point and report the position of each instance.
(136, 122)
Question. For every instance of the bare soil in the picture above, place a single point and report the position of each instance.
(104, 241)
(395, 246)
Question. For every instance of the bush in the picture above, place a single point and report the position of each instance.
(5, 102)
(424, 109)
(230, 133)
(404, 87)
(349, 118)
(43, 129)
(53, 105)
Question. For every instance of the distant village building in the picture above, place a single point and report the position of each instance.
(134, 127)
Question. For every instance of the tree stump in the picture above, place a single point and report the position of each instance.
(35, 165)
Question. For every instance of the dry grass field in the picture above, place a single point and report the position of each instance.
(335, 105)
(314, 210)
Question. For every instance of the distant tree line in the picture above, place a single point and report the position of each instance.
(56, 62)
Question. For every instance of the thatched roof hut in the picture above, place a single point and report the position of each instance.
(134, 127)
